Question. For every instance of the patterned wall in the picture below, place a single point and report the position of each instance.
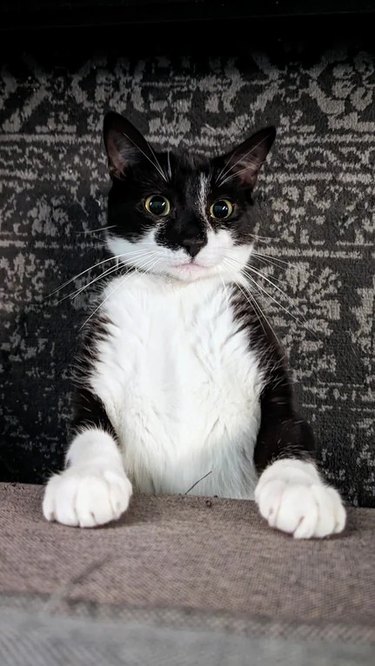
(316, 212)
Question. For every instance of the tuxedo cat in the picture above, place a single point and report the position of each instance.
(181, 384)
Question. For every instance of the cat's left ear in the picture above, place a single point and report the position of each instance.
(244, 162)
(124, 144)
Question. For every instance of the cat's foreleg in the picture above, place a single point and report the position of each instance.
(291, 495)
(93, 489)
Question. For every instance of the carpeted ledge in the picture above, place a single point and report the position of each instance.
(190, 563)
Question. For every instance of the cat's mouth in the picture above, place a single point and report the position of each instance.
(192, 265)
(189, 269)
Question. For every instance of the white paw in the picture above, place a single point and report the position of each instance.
(87, 496)
(292, 498)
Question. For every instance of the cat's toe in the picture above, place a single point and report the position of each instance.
(86, 497)
(298, 512)
(337, 513)
(48, 506)
(58, 502)
(101, 500)
(328, 516)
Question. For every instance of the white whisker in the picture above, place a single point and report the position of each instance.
(263, 290)
(169, 164)
(261, 239)
(269, 267)
(259, 309)
(76, 293)
(110, 294)
(160, 167)
(221, 175)
(157, 165)
(238, 173)
(113, 269)
(266, 238)
(224, 170)
(102, 303)
(272, 260)
(260, 274)
(90, 268)
(252, 302)
(92, 231)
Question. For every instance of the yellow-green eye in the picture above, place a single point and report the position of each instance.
(157, 205)
(221, 209)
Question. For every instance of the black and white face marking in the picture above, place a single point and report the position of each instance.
(177, 215)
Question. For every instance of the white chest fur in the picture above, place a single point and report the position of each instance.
(181, 386)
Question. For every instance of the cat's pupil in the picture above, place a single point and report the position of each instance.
(220, 209)
(158, 205)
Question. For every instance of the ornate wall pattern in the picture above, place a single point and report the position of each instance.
(316, 212)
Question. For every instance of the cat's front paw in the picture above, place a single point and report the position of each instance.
(292, 498)
(87, 496)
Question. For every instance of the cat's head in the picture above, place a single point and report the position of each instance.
(178, 215)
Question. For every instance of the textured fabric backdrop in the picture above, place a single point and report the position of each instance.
(317, 196)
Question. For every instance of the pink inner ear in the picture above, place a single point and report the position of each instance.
(116, 158)
(247, 159)
(247, 171)
(250, 166)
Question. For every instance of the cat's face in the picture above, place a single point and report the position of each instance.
(176, 215)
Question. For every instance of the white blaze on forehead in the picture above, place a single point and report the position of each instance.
(202, 195)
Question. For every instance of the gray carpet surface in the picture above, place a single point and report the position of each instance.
(190, 563)
(316, 197)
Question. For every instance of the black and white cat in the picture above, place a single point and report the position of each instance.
(181, 378)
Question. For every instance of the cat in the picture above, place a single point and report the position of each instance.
(182, 384)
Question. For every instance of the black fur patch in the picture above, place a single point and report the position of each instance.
(89, 410)
(282, 434)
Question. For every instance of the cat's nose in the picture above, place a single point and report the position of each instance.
(193, 245)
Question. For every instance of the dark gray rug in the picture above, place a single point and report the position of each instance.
(318, 200)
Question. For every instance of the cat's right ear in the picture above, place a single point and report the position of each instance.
(125, 146)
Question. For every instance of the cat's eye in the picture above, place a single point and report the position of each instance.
(157, 205)
(221, 209)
